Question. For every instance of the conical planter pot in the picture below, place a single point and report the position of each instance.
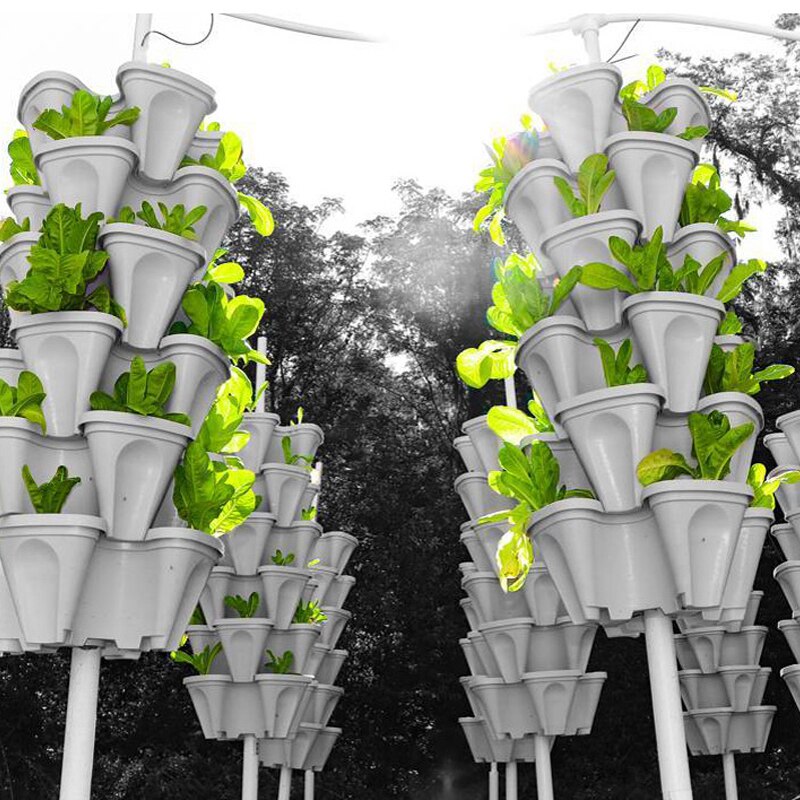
(291, 753)
(306, 438)
(471, 657)
(571, 470)
(485, 441)
(212, 599)
(68, 351)
(713, 648)
(788, 577)
(472, 697)
(707, 730)
(316, 658)
(282, 701)
(244, 642)
(559, 647)
(780, 449)
(652, 170)
(11, 364)
(333, 627)
(728, 342)
(703, 242)
(73, 453)
(675, 332)
(150, 271)
(478, 498)
(22, 443)
(299, 538)
(260, 426)
(202, 636)
(134, 458)
(281, 488)
(542, 597)
(489, 535)
(788, 541)
(246, 543)
(507, 707)
(172, 105)
(300, 639)
(483, 561)
(533, 202)
(791, 676)
(140, 596)
(334, 549)
(686, 98)
(282, 589)
(29, 202)
(576, 105)
(583, 548)
(14, 264)
(737, 687)
(204, 143)
(322, 580)
(90, 170)
(790, 628)
(208, 694)
(338, 591)
(740, 409)
(322, 704)
(612, 431)
(480, 745)
(331, 666)
(321, 749)
(45, 558)
(192, 187)
(509, 641)
(750, 730)
(557, 699)
(469, 455)
(672, 433)
(585, 240)
(789, 426)
(489, 601)
(699, 523)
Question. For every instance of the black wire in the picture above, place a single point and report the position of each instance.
(627, 36)
(177, 41)
(624, 58)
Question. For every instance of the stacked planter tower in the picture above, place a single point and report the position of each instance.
(636, 558)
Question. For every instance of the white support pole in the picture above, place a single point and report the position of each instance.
(511, 391)
(511, 780)
(729, 768)
(250, 769)
(144, 23)
(84, 682)
(308, 794)
(673, 759)
(285, 787)
(494, 782)
(261, 374)
(544, 772)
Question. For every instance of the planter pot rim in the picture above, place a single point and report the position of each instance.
(759, 512)
(340, 535)
(226, 571)
(706, 228)
(68, 317)
(274, 569)
(780, 527)
(602, 219)
(258, 516)
(475, 422)
(261, 416)
(225, 679)
(676, 83)
(199, 629)
(658, 141)
(571, 504)
(86, 143)
(792, 669)
(131, 230)
(288, 430)
(189, 535)
(272, 678)
(274, 466)
(298, 523)
(21, 424)
(544, 326)
(633, 392)
(774, 437)
(467, 477)
(52, 521)
(694, 487)
(169, 76)
(502, 624)
(194, 340)
(732, 397)
(27, 188)
(23, 239)
(249, 622)
(547, 165)
(786, 566)
(549, 437)
(677, 298)
(42, 77)
(792, 416)
(788, 623)
(582, 70)
(124, 419)
(185, 174)
(342, 612)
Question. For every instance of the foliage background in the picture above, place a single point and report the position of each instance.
(363, 331)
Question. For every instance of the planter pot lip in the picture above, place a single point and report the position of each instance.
(87, 142)
(328, 688)
(300, 627)
(171, 240)
(170, 76)
(298, 523)
(785, 566)
(722, 630)
(759, 512)
(325, 570)
(272, 569)
(199, 629)
(783, 419)
(290, 469)
(467, 477)
(188, 534)
(261, 416)
(570, 504)
(729, 338)
(658, 141)
(27, 188)
(240, 622)
(543, 325)
(212, 135)
(791, 670)
(558, 674)
(351, 579)
(68, 317)
(52, 521)
(224, 571)
(124, 419)
(696, 486)
(789, 623)
(192, 679)
(635, 392)
(781, 527)
(18, 423)
(568, 76)
(502, 624)
(303, 427)
(269, 677)
(478, 575)
(23, 239)
(342, 612)
(348, 537)
(553, 166)
(602, 219)
(195, 340)
(682, 298)
(199, 171)
(475, 422)
(704, 228)
(776, 436)
(732, 397)
(45, 76)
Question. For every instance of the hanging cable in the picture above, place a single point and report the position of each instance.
(177, 41)
(622, 44)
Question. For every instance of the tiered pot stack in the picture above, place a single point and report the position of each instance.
(527, 659)
(102, 573)
(241, 696)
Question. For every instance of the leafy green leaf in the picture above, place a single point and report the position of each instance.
(86, 116)
(49, 498)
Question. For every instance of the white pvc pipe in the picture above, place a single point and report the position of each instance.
(84, 682)
(250, 769)
(511, 391)
(729, 768)
(301, 27)
(511, 780)
(544, 772)
(673, 760)
(261, 374)
(144, 24)
(285, 787)
(308, 794)
(494, 782)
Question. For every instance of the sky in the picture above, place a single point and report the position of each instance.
(348, 119)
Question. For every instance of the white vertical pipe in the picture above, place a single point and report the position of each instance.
(511, 780)
(144, 24)
(84, 682)
(673, 759)
(729, 768)
(250, 769)
(494, 782)
(309, 785)
(261, 374)
(544, 772)
(285, 787)
(591, 40)
(511, 391)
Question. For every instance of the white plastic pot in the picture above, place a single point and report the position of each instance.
(334, 549)
(172, 104)
(208, 694)
(789, 426)
(300, 639)
(73, 453)
(331, 666)
(560, 647)
(202, 636)
(675, 332)
(790, 628)
(338, 591)
(21, 443)
(14, 263)
(299, 538)
(282, 589)
(11, 364)
(507, 707)
(282, 703)
(576, 105)
(150, 271)
(243, 641)
(321, 748)
(652, 170)
(542, 597)
(483, 561)
(585, 240)
(322, 703)
(788, 577)
(218, 585)
(612, 431)
(571, 471)
(485, 441)
(788, 540)
(469, 455)
(29, 202)
(68, 351)
(715, 731)
(281, 487)
(306, 438)
(477, 497)
(565, 701)
(703, 242)
(684, 96)
(736, 687)
(90, 170)
(334, 626)
(780, 449)
(260, 426)
(204, 143)
(509, 641)
(246, 544)
(489, 602)
(791, 676)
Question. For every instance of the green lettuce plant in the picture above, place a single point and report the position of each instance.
(295, 459)
(49, 497)
(10, 227)
(309, 613)
(642, 118)
(279, 559)
(63, 263)
(87, 115)
(24, 400)
(280, 665)
(245, 608)
(308, 514)
(221, 431)
(731, 325)
(201, 661)
(655, 76)
(594, 181)
(143, 392)
(616, 365)
(513, 425)
(226, 322)
(225, 271)
(706, 201)
(714, 443)
(175, 220)
(23, 169)
(733, 371)
(764, 486)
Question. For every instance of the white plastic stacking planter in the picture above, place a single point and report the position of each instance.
(29, 202)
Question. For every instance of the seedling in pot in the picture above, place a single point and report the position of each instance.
(246, 609)
(143, 392)
(616, 369)
(280, 665)
(64, 262)
(87, 115)
(298, 419)
(24, 400)
(641, 118)
(10, 227)
(513, 425)
(295, 459)
(594, 181)
(733, 371)
(764, 486)
(224, 272)
(714, 444)
(309, 613)
(49, 498)
(731, 325)
(201, 661)
(175, 220)
(706, 201)
(656, 76)
(308, 514)
(281, 560)
(23, 169)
